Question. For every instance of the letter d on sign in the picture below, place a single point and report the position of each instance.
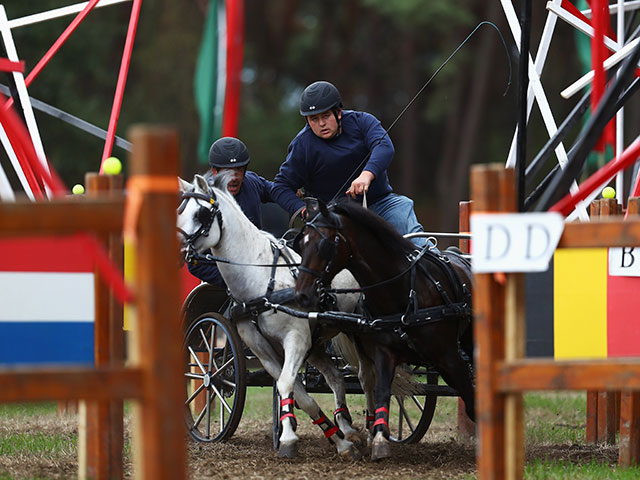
(498, 242)
(538, 239)
(514, 242)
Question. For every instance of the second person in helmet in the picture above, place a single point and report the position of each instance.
(248, 188)
(341, 152)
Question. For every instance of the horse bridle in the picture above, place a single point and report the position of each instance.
(204, 215)
(327, 249)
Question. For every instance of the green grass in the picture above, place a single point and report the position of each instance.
(8, 410)
(561, 470)
(32, 429)
(4, 476)
(555, 417)
(37, 442)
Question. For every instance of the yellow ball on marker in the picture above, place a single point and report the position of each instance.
(77, 189)
(608, 192)
(111, 166)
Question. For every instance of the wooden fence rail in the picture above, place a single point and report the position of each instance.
(502, 372)
(154, 378)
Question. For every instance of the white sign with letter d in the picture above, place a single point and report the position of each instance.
(514, 242)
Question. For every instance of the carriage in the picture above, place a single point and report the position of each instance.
(326, 297)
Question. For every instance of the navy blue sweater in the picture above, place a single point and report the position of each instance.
(254, 191)
(326, 168)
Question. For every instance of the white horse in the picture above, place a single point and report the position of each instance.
(281, 342)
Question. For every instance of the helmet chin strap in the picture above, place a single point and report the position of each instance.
(335, 111)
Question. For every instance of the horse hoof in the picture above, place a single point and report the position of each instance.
(288, 450)
(351, 453)
(380, 450)
(354, 437)
(369, 441)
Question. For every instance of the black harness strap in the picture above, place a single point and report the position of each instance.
(259, 305)
(255, 307)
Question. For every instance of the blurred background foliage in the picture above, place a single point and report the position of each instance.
(378, 53)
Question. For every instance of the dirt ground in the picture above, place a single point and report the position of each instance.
(249, 454)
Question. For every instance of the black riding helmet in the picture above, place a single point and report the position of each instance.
(319, 97)
(228, 152)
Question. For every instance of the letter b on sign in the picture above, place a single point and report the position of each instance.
(622, 262)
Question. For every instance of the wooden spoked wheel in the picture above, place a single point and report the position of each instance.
(215, 378)
(410, 415)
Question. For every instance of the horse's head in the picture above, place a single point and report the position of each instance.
(199, 219)
(324, 250)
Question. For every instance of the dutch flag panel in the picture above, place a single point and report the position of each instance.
(46, 301)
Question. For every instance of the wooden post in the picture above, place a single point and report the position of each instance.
(94, 416)
(629, 448)
(514, 331)
(603, 407)
(492, 189)
(466, 428)
(116, 346)
(159, 434)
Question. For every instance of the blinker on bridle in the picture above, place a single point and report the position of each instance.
(327, 249)
(205, 215)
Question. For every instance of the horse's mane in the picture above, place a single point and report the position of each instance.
(379, 228)
(220, 181)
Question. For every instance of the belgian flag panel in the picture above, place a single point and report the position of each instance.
(539, 311)
(595, 315)
(623, 316)
(580, 303)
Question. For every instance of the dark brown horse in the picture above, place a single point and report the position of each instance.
(417, 303)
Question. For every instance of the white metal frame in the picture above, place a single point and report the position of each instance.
(536, 91)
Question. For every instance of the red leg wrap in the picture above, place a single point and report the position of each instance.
(322, 419)
(287, 415)
(286, 401)
(331, 431)
(381, 421)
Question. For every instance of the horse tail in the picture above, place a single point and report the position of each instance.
(344, 347)
(404, 382)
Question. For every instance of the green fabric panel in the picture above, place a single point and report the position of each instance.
(205, 83)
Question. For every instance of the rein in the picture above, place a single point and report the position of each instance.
(413, 315)
(206, 217)
(414, 261)
(328, 250)
(210, 258)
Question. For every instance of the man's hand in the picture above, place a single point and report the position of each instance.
(361, 184)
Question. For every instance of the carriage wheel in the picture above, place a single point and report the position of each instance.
(277, 413)
(215, 378)
(410, 415)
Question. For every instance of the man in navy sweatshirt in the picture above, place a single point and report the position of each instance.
(341, 152)
(249, 189)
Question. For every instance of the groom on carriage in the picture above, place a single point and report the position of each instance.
(249, 189)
